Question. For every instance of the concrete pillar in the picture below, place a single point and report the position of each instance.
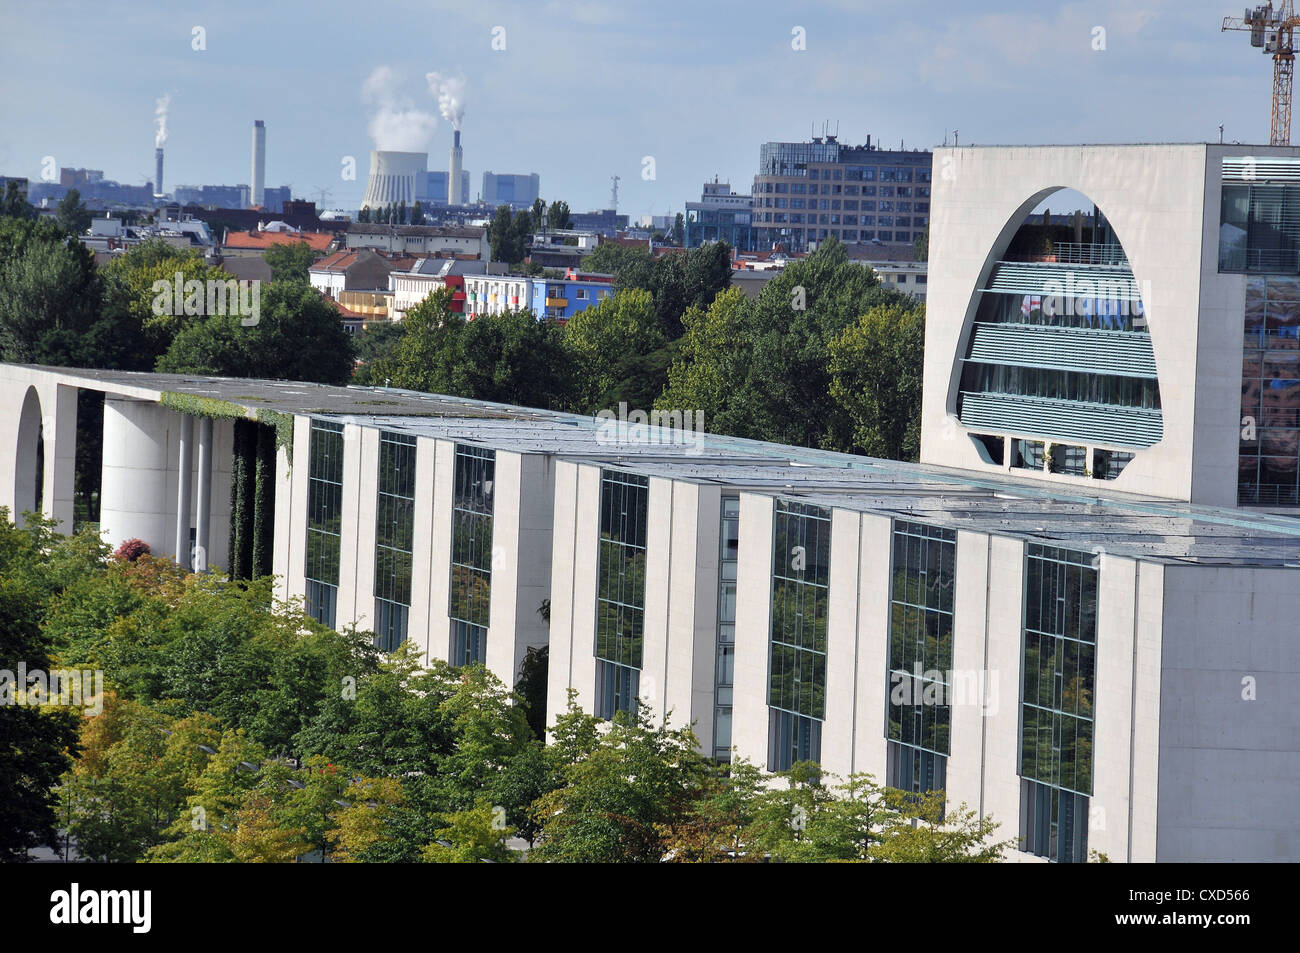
(134, 500)
(203, 507)
(184, 473)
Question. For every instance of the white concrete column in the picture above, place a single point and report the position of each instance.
(203, 503)
(134, 500)
(749, 711)
(184, 473)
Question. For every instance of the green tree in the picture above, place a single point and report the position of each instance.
(469, 837)
(538, 213)
(876, 367)
(608, 342)
(558, 216)
(521, 234)
(921, 246)
(417, 214)
(375, 344)
(298, 336)
(616, 798)
(501, 236)
(72, 214)
(678, 233)
(290, 262)
(15, 205)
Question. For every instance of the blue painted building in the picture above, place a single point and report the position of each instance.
(561, 298)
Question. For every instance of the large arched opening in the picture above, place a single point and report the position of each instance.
(29, 458)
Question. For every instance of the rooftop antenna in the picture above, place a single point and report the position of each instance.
(1220, 133)
(954, 138)
(613, 192)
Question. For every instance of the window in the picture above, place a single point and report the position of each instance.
(470, 601)
(724, 664)
(920, 683)
(1057, 688)
(394, 538)
(620, 594)
(580, 294)
(797, 653)
(324, 520)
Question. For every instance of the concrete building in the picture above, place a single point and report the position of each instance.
(487, 295)
(445, 240)
(805, 192)
(436, 187)
(719, 215)
(517, 191)
(1098, 650)
(360, 270)
(395, 178)
(562, 247)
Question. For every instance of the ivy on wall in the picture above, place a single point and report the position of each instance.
(243, 498)
(263, 523)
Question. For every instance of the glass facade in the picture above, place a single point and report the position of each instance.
(470, 602)
(725, 662)
(1057, 689)
(919, 699)
(1260, 221)
(1269, 454)
(801, 552)
(324, 520)
(394, 538)
(620, 593)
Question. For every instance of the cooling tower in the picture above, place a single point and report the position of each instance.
(158, 179)
(455, 189)
(258, 181)
(395, 177)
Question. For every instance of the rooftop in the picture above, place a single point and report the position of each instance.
(1085, 517)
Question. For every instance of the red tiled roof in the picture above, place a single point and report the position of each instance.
(338, 261)
(318, 241)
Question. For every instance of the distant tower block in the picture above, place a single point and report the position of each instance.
(257, 180)
(395, 177)
(455, 188)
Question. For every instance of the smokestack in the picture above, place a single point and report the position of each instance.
(257, 181)
(455, 194)
(158, 179)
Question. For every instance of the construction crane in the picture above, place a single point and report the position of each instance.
(1272, 30)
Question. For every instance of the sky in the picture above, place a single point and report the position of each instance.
(664, 94)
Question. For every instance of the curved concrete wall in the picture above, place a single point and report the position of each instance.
(139, 447)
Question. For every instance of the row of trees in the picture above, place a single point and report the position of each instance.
(57, 307)
(825, 356)
(510, 232)
(394, 213)
(237, 729)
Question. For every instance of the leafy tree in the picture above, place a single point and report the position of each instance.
(617, 797)
(72, 214)
(530, 684)
(468, 837)
(50, 301)
(631, 266)
(35, 739)
(715, 826)
(538, 213)
(15, 205)
(375, 344)
(876, 368)
(298, 337)
(921, 246)
(918, 831)
(363, 216)
(417, 214)
(521, 234)
(501, 236)
(558, 216)
(290, 262)
(678, 233)
(608, 342)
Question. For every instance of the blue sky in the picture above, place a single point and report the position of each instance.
(586, 89)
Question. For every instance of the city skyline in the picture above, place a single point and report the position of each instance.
(584, 91)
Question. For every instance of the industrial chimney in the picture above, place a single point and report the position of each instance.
(158, 179)
(455, 193)
(257, 183)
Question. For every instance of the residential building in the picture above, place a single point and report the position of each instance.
(561, 298)
(359, 270)
(410, 286)
(562, 247)
(419, 239)
(806, 192)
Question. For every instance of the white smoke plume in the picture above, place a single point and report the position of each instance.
(396, 125)
(450, 92)
(160, 120)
